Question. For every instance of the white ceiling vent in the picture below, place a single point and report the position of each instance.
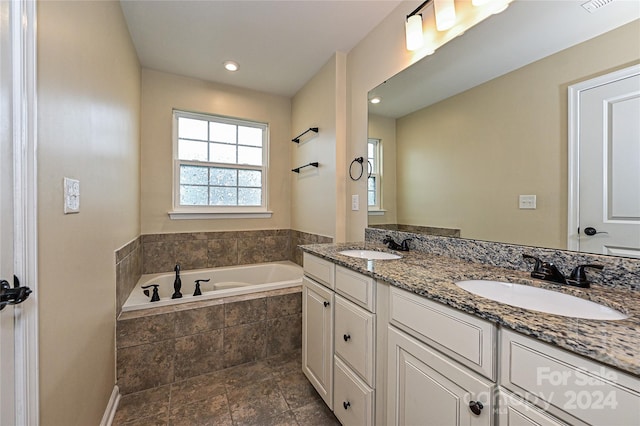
(594, 5)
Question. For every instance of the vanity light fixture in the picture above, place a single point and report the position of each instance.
(375, 100)
(497, 6)
(445, 16)
(231, 66)
(413, 32)
(445, 11)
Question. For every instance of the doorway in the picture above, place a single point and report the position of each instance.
(604, 164)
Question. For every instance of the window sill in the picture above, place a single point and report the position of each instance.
(186, 215)
(380, 212)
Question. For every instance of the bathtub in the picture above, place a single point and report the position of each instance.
(223, 282)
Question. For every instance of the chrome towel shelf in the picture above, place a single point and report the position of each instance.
(297, 169)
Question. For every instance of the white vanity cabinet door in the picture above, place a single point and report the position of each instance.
(426, 388)
(317, 337)
(354, 338)
(513, 411)
(572, 388)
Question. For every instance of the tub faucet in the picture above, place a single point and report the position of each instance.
(177, 284)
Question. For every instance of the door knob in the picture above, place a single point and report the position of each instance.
(589, 230)
(12, 296)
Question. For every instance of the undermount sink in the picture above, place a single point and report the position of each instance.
(539, 299)
(370, 254)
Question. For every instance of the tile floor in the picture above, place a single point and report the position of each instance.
(273, 391)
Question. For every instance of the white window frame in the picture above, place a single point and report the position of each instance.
(219, 212)
(377, 173)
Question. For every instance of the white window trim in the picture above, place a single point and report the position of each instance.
(376, 209)
(218, 212)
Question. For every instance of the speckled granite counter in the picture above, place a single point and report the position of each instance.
(616, 343)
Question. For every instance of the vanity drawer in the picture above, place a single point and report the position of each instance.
(563, 383)
(465, 338)
(356, 287)
(352, 398)
(354, 337)
(319, 269)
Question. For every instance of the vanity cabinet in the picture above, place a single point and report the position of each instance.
(573, 389)
(317, 338)
(513, 411)
(339, 339)
(428, 386)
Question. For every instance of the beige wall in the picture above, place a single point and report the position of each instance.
(465, 160)
(88, 115)
(380, 55)
(318, 194)
(161, 93)
(384, 128)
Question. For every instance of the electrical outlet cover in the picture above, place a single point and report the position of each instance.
(71, 196)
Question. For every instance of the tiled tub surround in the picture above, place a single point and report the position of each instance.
(427, 230)
(128, 270)
(299, 238)
(433, 276)
(165, 345)
(155, 253)
(197, 250)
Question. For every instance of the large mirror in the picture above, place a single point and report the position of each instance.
(467, 136)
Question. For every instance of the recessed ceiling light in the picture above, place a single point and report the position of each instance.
(231, 66)
(375, 100)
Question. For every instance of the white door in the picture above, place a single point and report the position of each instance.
(608, 141)
(7, 387)
(18, 323)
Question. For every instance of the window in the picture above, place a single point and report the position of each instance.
(374, 201)
(220, 164)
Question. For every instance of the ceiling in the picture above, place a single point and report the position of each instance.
(526, 32)
(279, 45)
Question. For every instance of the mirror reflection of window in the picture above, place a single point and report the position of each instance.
(374, 183)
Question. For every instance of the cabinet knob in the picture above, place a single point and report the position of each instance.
(476, 407)
(346, 405)
(346, 337)
(326, 303)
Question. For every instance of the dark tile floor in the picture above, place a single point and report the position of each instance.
(273, 391)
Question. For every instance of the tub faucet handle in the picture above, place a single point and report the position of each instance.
(197, 292)
(155, 296)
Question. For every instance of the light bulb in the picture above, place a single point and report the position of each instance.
(413, 31)
(445, 12)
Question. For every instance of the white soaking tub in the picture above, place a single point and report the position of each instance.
(223, 282)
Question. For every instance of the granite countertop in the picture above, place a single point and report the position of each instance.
(615, 343)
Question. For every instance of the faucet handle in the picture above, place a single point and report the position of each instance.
(538, 266)
(579, 278)
(197, 291)
(155, 296)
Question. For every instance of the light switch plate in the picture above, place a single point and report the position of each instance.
(527, 202)
(71, 196)
(355, 202)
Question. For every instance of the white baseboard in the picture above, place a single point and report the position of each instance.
(112, 406)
